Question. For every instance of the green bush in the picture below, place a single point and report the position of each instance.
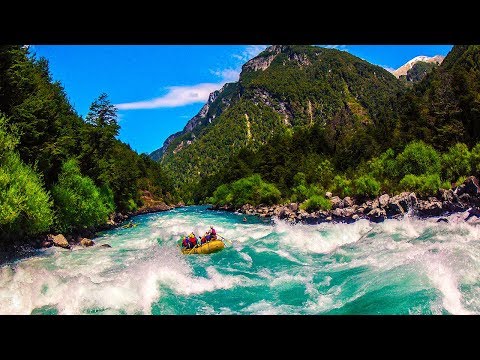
(384, 166)
(366, 185)
(78, 202)
(221, 196)
(316, 202)
(423, 185)
(418, 158)
(456, 162)
(341, 186)
(25, 206)
(250, 190)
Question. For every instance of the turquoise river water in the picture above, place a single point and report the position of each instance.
(407, 266)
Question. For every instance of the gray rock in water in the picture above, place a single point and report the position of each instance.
(383, 200)
(430, 207)
(86, 242)
(355, 217)
(377, 215)
(442, 220)
(105, 246)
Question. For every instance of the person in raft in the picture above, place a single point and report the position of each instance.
(206, 238)
(189, 241)
(212, 233)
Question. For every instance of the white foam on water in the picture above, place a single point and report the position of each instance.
(446, 281)
(144, 264)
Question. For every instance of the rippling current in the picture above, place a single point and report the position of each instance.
(407, 266)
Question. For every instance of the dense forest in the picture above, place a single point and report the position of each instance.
(376, 135)
(58, 171)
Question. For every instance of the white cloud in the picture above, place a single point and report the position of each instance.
(338, 47)
(184, 95)
(227, 75)
(250, 52)
(175, 97)
(388, 68)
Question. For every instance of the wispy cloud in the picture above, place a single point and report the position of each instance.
(388, 68)
(175, 97)
(227, 75)
(250, 52)
(338, 47)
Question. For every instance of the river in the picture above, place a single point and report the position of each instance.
(407, 266)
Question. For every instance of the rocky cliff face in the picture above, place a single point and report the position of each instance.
(217, 102)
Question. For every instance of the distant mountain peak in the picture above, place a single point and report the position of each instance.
(402, 70)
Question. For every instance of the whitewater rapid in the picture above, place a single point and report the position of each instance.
(407, 266)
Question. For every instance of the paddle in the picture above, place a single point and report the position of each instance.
(192, 249)
(221, 237)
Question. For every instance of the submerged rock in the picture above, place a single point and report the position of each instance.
(86, 242)
(105, 246)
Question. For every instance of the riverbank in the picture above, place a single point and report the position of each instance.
(82, 237)
(465, 197)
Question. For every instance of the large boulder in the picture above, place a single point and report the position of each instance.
(430, 207)
(337, 212)
(383, 200)
(470, 186)
(293, 206)
(377, 215)
(336, 202)
(58, 240)
(446, 195)
(347, 202)
(394, 208)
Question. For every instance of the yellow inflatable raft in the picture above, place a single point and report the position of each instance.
(207, 248)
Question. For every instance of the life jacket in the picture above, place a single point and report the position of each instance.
(203, 240)
(185, 242)
(213, 232)
(193, 241)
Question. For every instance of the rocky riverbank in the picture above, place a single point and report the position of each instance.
(84, 236)
(465, 197)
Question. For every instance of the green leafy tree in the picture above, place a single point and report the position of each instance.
(424, 185)
(25, 206)
(78, 202)
(316, 202)
(418, 158)
(366, 185)
(456, 162)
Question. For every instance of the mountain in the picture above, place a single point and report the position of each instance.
(212, 108)
(418, 72)
(443, 108)
(284, 88)
(402, 70)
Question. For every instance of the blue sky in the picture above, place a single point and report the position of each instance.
(158, 88)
